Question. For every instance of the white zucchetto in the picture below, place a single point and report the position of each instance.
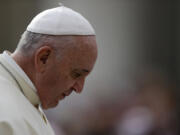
(60, 21)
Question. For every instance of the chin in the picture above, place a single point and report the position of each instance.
(52, 105)
(48, 106)
(45, 107)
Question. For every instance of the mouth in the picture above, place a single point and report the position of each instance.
(63, 95)
(66, 93)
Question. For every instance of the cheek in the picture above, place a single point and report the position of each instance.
(54, 83)
(64, 83)
(58, 83)
(47, 82)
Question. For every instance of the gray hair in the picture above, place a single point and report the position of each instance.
(31, 41)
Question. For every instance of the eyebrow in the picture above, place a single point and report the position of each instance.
(85, 70)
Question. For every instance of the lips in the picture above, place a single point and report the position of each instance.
(66, 93)
(63, 95)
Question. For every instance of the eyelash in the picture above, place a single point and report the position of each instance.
(76, 75)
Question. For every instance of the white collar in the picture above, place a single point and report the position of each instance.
(11, 61)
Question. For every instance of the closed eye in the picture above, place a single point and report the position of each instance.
(76, 75)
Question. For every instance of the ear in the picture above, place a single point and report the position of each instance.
(43, 58)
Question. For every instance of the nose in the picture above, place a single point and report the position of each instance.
(78, 86)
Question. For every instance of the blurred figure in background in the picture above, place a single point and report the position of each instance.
(153, 108)
(149, 109)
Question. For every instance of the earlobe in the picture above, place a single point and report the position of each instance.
(42, 57)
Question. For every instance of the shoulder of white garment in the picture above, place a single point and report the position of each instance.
(11, 122)
(16, 127)
(60, 21)
(13, 111)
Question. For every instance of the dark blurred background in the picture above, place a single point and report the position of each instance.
(134, 88)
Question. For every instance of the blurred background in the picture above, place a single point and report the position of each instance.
(134, 87)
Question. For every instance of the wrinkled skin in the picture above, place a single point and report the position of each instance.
(55, 78)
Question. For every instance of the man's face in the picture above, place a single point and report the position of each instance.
(68, 73)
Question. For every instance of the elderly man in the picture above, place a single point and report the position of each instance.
(54, 56)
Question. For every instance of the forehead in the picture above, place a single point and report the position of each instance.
(81, 51)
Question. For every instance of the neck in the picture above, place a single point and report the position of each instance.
(25, 63)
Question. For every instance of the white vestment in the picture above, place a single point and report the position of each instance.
(18, 98)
